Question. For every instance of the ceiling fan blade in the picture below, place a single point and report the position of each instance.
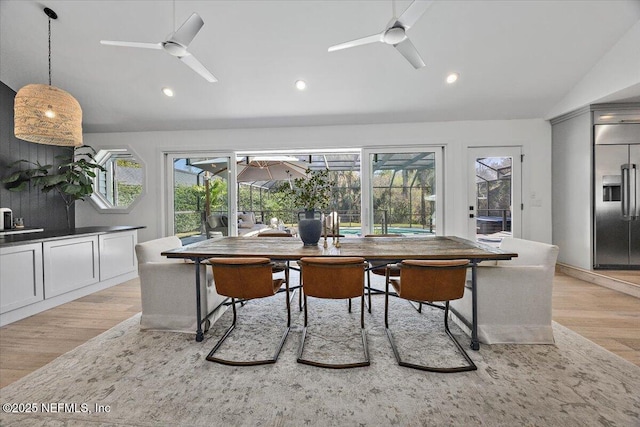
(188, 30)
(359, 42)
(413, 13)
(409, 51)
(196, 66)
(132, 44)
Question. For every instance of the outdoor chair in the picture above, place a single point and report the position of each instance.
(245, 279)
(333, 278)
(426, 281)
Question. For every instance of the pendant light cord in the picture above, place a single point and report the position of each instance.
(49, 51)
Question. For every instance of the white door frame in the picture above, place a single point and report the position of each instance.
(167, 186)
(515, 152)
(366, 168)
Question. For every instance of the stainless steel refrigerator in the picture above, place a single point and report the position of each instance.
(617, 196)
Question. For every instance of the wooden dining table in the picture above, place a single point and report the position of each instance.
(387, 249)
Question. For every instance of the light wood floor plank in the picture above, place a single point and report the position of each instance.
(610, 319)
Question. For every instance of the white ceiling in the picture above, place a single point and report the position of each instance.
(517, 59)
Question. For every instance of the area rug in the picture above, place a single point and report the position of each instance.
(144, 378)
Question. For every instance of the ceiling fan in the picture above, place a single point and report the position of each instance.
(176, 45)
(395, 33)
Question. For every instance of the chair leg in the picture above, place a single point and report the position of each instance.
(365, 345)
(369, 288)
(417, 305)
(300, 292)
(386, 301)
(469, 367)
(212, 358)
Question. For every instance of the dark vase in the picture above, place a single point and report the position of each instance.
(309, 227)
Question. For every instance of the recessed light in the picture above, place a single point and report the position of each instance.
(50, 113)
(301, 85)
(451, 78)
(606, 116)
(167, 91)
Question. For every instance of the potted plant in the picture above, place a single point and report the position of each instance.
(310, 193)
(72, 180)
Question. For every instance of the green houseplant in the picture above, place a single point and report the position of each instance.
(72, 180)
(310, 193)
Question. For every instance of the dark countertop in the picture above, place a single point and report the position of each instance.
(42, 236)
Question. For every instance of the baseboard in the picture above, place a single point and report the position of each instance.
(599, 279)
(35, 308)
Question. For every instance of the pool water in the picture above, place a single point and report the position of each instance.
(395, 230)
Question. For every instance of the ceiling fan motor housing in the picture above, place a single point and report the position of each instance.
(394, 35)
(174, 48)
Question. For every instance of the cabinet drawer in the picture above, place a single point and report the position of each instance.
(20, 276)
(70, 264)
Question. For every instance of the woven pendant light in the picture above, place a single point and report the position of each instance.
(45, 114)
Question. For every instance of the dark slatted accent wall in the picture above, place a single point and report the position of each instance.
(37, 208)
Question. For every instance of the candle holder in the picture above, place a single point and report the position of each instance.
(324, 231)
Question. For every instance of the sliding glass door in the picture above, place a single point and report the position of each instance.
(402, 191)
(200, 197)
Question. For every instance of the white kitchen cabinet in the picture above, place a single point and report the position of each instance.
(70, 264)
(43, 270)
(21, 276)
(117, 254)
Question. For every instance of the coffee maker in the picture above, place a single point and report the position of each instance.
(6, 219)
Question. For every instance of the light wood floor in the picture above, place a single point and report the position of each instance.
(31, 343)
(606, 317)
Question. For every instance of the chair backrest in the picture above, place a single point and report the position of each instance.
(275, 234)
(333, 277)
(433, 280)
(245, 278)
(150, 251)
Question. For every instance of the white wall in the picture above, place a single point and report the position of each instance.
(533, 135)
(572, 190)
(617, 71)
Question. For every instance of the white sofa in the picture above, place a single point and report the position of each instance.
(514, 297)
(168, 289)
(247, 225)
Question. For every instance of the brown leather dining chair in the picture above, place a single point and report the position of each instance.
(426, 281)
(333, 278)
(245, 279)
(380, 268)
(280, 266)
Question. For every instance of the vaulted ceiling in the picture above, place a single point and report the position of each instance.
(516, 59)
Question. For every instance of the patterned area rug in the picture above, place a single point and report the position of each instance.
(143, 378)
